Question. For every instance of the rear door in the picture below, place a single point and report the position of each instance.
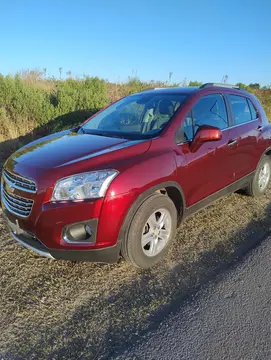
(246, 129)
(209, 169)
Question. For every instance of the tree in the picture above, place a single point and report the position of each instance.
(69, 73)
(195, 83)
(241, 85)
(60, 71)
(44, 72)
(254, 86)
(183, 83)
(225, 79)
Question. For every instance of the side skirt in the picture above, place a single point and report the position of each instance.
(237, 185)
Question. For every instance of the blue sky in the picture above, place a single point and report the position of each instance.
(197, 40)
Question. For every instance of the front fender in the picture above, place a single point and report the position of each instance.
(129, 189)
(139, 177)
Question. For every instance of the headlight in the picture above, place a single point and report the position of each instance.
(83, 186)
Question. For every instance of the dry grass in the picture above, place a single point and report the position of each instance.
(13, 130)
(265, 97)
(36, 79)
(56, 310)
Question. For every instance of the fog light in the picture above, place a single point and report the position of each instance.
(81, 233)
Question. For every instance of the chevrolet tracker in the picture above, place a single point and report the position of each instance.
(121, 183)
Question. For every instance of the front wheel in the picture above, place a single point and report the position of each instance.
(261, 179)
(151, 231)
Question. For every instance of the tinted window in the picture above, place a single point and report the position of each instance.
(240, 109)
(252, 110)
(188, 127)
(210, 110)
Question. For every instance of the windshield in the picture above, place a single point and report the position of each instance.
(137, 116)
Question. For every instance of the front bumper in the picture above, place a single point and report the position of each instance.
(28, 240)
(105, 255)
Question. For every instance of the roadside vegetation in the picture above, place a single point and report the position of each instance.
(29, 102)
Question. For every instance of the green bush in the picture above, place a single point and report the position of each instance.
(25, 106)
(24, 101)
(28, 102)
(195, 83)
(89, 94)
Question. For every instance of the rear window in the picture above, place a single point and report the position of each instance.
(240, 109)
(252, 110)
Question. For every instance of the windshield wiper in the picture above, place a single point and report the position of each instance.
(100, 133)
(109, 135)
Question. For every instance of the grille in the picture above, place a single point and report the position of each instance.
(16, 204)
(19, 182)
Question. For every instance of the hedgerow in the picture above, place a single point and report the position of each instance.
(28, 102)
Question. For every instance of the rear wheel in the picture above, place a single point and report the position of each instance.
(261, 180)
(151, 231)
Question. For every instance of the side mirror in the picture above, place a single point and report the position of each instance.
(204, 134)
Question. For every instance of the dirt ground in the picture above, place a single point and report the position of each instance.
(63, 310)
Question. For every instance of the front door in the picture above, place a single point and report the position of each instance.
(209, 169)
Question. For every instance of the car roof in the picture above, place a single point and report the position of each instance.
(189, 90)
(173, 90)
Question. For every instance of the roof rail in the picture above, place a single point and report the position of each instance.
(154, 88)
(219, 85)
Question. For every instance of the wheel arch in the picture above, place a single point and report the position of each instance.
(173, 191)
(267, 152)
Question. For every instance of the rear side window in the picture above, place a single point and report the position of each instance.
(253, 111)
(240, 109)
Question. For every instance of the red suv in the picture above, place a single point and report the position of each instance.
(122, 182)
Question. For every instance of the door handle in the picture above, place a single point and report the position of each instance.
(232, 142)
(259, 128)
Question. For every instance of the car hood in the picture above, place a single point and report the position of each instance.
(64, 148)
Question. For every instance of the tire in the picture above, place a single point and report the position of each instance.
(257, 186)
(146, 219)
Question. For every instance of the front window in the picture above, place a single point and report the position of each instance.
(209, 110)
(139, 116)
